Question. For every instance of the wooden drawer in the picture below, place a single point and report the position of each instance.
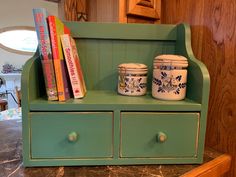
(142, 133)
(49, 135)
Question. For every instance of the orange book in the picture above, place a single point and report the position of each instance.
(73, 66)
(57, 28)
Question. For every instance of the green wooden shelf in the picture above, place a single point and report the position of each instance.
(126, 127)
(110, 100)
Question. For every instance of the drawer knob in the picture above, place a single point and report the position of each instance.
(72, 137)
(161, 137)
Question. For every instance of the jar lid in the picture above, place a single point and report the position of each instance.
(173, 60)
(128, 66)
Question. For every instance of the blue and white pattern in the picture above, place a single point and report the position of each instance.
(134, 84)
(169, 83)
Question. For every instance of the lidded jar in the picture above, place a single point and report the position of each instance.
(132, 79)
(169, 77)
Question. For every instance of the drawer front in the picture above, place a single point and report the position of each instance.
(159, 135)
(71, 135)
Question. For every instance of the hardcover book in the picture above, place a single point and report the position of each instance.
(73, 66)
(41, 27)
(78, 65)
(57, 28)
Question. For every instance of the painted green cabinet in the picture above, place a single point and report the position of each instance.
(106, 128)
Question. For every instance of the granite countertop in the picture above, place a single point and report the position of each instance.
(11, 162)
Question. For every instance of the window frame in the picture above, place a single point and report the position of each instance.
(13, 28)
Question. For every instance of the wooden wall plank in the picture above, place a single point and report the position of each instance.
(102, 10)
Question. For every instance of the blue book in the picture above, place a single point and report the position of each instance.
(45, 51)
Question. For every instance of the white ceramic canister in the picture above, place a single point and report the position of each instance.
(169, 77)
(132, 79)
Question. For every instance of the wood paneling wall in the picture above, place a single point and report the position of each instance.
(103, 10)
(213, 27)
(73, 10)
(116, 11)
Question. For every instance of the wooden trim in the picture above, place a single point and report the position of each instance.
(157, 6)
(128, 7)
(142, 11)
(122, 11)
(134, 8)
(216, 167)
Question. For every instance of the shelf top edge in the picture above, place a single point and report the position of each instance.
(110, 100)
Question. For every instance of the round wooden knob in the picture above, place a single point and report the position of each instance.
(161, 137)
(72, 137)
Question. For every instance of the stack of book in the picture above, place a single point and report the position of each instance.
(62, 70)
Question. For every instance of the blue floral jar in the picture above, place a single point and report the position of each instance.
(169, 77)
(132, 79)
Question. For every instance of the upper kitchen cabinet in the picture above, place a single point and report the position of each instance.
(140, 11)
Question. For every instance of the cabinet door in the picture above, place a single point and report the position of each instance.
(140, 11)
(159, 135)
(71, 135)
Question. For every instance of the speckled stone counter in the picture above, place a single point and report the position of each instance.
(11, 162)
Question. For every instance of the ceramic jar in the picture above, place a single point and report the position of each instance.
(132, 79)
(169, 77)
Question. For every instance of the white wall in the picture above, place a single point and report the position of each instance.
(19, 13)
